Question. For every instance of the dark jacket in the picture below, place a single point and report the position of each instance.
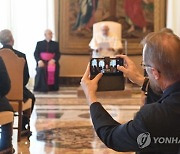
(159, 119)
(5, 83)
(5, 86)
(44, 46)
(26, 70)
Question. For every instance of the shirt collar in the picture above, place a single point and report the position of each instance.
(8, 46)
(47, 41)
(173, 88)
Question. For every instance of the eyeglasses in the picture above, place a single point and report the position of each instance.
(144, 65)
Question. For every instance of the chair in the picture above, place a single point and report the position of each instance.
(6, 117)
(115, 28)
(15, 69)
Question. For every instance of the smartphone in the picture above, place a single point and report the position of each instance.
(107, 66)
(112, 79)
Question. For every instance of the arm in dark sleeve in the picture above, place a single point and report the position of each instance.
(37, 53)
(26, 72)
(120, 137)
(57, 53)
(5, 83)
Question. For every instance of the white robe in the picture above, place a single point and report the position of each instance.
(112, 40)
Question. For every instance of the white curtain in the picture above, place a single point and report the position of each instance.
(173, 18)
(27, 19)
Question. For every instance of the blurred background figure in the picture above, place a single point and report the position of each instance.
(85, 18)
(47, 56)
(105, 43)
(135, 14)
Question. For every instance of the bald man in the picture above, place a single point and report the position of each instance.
(47, 56)
(105, 44)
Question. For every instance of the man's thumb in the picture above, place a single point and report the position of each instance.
(98, 77)
(122, 69)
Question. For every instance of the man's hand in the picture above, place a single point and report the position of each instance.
(90, 86)
(130, 70)
(51, 62)
(40, 63)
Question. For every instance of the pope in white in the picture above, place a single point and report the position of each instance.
(105, 44)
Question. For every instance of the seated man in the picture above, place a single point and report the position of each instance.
(155, 128)
(7, 40)
(105, 44)
(6, 130)
(47, 56)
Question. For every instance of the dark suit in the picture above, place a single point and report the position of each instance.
(27, 94)
(160, 119)
(51, 47)
(43, 46)
(5, 85)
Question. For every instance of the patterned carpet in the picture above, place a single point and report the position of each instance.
(73, 138)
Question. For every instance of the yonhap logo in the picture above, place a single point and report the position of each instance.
(143, 140)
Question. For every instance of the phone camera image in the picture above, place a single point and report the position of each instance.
(113, 66)
(120, 62)
(112, 78)
(107, 66)
(94, 66)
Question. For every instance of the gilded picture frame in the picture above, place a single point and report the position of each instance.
(74, 38)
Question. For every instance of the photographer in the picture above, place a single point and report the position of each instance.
(161, 52)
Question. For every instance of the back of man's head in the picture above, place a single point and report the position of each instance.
(167, 30)
(162, 52)
(6, 37)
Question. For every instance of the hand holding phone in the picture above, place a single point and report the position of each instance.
(112, 79)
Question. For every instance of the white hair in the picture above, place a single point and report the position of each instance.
(47, 30)
(5, 36)
(104, 25)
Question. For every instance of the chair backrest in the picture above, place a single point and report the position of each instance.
(114, 28)
(6, 117)
(15, 69)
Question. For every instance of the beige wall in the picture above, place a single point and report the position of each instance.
(73, 65)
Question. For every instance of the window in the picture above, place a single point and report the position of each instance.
(27, 20)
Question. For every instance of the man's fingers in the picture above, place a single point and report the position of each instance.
(87, 73)
(98, 77)
(126, 58)
(122, 69)
(121, 56)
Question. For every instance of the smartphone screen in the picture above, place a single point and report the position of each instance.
(107, 66)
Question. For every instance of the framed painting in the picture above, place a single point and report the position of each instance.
(137, 17)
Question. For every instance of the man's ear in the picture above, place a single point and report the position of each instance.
(155, 73)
